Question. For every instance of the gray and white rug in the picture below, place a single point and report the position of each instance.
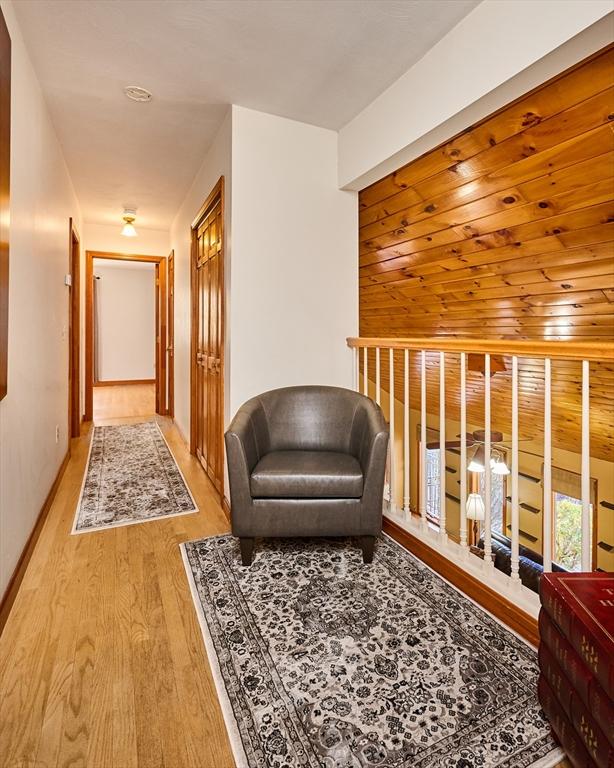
(322, 661)
(131, 477)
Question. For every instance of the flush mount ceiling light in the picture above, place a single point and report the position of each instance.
(136, 93)
(128, 229)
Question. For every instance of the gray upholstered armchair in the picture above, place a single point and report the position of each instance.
(307, 461)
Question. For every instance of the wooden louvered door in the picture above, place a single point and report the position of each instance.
(208, 338)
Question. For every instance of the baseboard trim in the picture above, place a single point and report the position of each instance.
(20, 569)
(123, 382)
(503, 609)
(181, 435)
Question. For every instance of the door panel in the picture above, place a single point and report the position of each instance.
(207, 417)
(170, 348)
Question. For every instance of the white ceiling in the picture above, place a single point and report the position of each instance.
(318, 61)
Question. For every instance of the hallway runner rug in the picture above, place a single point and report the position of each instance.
(324, 662)
(131, 477)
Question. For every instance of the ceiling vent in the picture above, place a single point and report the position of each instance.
(137, 94)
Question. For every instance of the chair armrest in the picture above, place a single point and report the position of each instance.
(370, 444)
(247, 440)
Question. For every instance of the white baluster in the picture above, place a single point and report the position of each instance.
(423, 437)
(406, 467)
(547, 510)
(377, 376)
(442, 445)
(355, 370)
(586, 469)
(515, 509)
(392, 441)
(487, 470)
(364, 371)
(463, 451)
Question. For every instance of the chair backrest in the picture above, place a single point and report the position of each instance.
(311, 418)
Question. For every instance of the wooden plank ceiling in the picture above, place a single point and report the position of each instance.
(506, 231)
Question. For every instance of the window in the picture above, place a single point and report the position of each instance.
(497, 501)
(567, 531)
(433, 491)
(433, 484)
(567, 518)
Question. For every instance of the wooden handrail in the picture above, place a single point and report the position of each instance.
(595, 351)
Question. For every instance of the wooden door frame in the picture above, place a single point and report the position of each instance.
(170, 333)
(74, 332)
(160, 262)
(216, 193)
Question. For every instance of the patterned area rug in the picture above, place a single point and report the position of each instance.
(322, 661)
(131, 477)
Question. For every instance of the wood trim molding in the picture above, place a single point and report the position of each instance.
(5, 193)
(123, 382)
(226, 508)
(20, 569)
(74, 331)
(218, 192)
(600, 351)
(160, 262)
(170, 334)
(125, 256)
(492, 601)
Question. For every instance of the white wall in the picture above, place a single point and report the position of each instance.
(42, 200)
(294, 265)
(217, 162)
(498, 52)
(104, 237)
(126, 321)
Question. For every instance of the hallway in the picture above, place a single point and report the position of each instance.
(310, 261)
(124, 401)
(94, 615)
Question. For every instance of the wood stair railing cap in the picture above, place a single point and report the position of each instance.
(595, 351)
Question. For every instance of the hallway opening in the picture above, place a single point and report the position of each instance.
(126, 350)
(120, 401)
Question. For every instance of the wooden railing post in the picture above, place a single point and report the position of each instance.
(487, 468)
(423, 437)
(463, 450)
(576, 351)
(547, 479)
(442, 444)
(586, 469)
(392, 433)
(515, 521)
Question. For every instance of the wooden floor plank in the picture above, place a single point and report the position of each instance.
(102, 662)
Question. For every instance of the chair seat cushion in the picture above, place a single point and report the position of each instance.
(306, 475)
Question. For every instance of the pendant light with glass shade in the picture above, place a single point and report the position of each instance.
(129, 217)
(498, 466)
(478, 462)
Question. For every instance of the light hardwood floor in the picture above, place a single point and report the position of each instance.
(122, 400)
(102, 662)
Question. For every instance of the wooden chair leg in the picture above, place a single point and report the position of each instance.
(247, 551)
(367, 544)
